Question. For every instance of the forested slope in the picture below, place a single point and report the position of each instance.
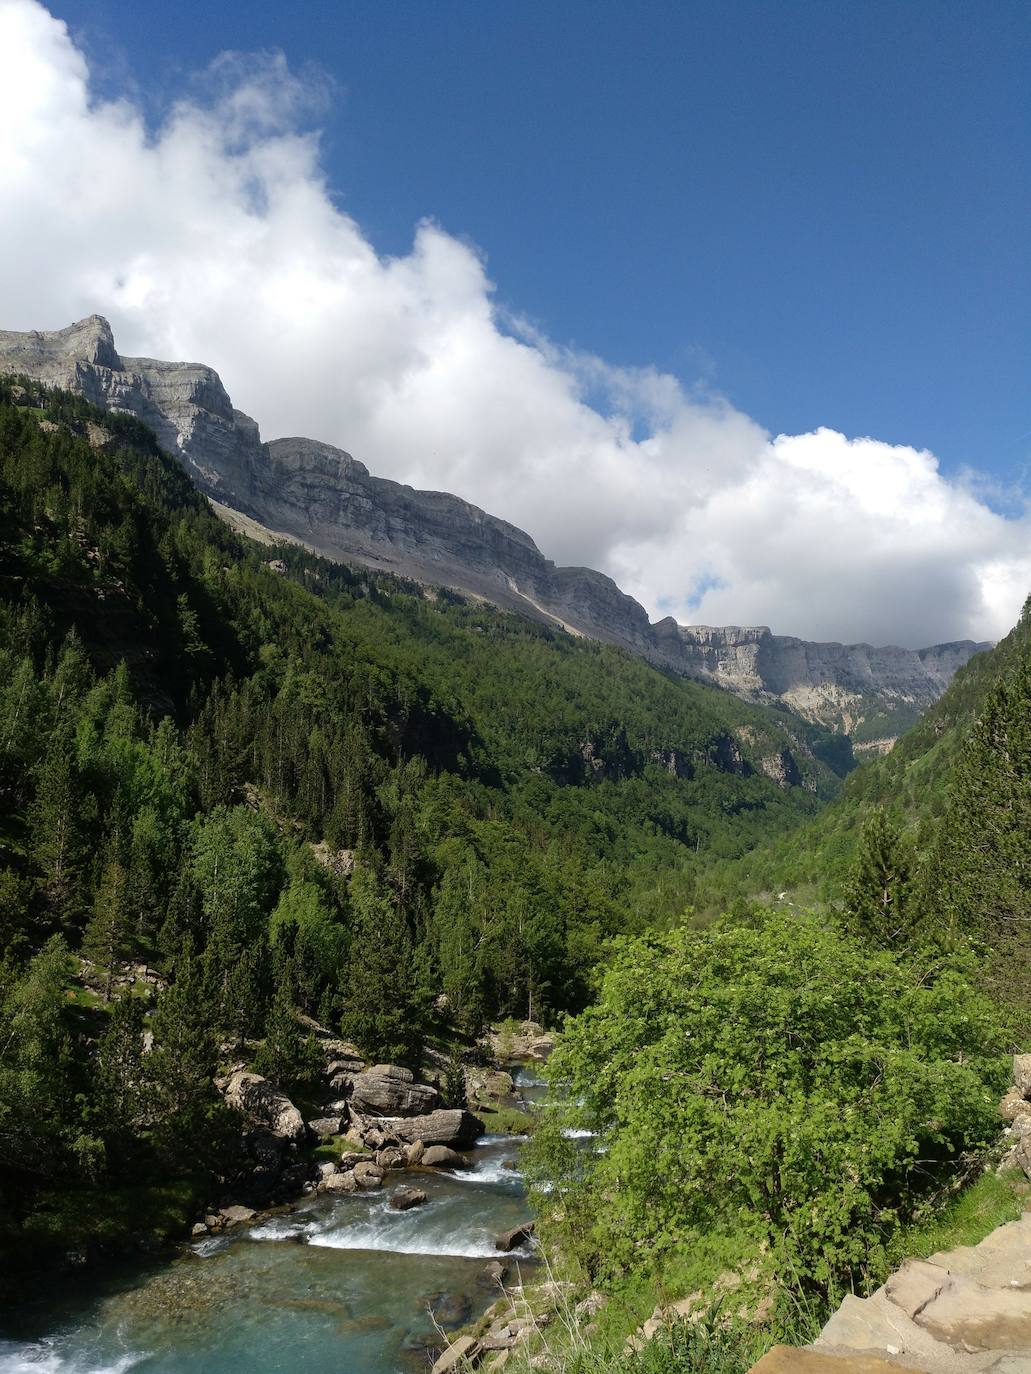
(912, 782)
(287, 784)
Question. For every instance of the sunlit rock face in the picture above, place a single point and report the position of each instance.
(324, 498)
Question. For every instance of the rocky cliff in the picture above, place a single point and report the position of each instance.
(322, 497)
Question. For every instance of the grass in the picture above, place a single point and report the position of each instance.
(967, 1218)
(339, 1145)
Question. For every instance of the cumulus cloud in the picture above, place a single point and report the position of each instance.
(214, 237)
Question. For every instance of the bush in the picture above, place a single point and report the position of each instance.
(778, 1082)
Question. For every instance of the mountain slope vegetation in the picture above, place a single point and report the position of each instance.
(258, 784)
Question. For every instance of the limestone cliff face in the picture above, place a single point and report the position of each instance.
(327, 500)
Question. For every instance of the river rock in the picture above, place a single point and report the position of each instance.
(464, 1348)
(326, 1168)
(326, 1127)
(405, 1198)
(236, 1215)
(447, 1126)
(391, 1090)
(440, 1157)
(368, 1175)
(250, 1093)
(199, 1229)
(508, 1240)
(413, 1153)
(529, 1041)
(352, 1157)
(492, 1275)
(338, 1182)
(392, 1157)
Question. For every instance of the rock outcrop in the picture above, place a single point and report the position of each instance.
(262, 1100)
(312, 493)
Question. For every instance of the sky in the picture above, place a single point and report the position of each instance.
(730, 300)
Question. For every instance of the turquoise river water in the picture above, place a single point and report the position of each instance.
(341, 1285)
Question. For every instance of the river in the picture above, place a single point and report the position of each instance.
(341, 1285)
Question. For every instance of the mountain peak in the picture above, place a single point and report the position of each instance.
(323, 497)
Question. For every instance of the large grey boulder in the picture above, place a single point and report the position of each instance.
(390, 1090)
(447, 1126)
(443, 1157)
(1022, 1074)
(262, 1100)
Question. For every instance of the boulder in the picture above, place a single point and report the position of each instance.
(390, 1158)
(326, 1169)
(405, 1198)
(492, 1275)
(461, 1350)
(326, 1127)
(250, 1093)
(1022, 1074)
(413, 1153)
(352, 1157)
(368, 1175)
(508, 1240)
(339, 1183)
(390, 1090)
(199, 1229)
(237, 1215)
(1014, 1104)
(441, 1157)
(447, 1126)
(265, 1147)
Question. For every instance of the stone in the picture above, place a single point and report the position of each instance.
(312, 493)
(413, 1153)
(915, 1284)
(518, 1235)
(350, 1158)
(236, 1215)
(368, 1175)
(326, 1168)
(265, 1147)
(390, 1090)
(392, 1157)
(1014, 1104)
(339, 1182)
(403, 1199)
(441, 1157)
(464, 1348)
(968, 1316)
(326, 1127)
(492, 1275)
(446, 1126)
(262, 1100)
(785, 1359)
(199, 1229)
(1022, 1074)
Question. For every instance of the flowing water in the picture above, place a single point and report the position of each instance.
(341, 1285)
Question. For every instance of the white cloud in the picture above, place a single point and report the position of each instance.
(215, 238)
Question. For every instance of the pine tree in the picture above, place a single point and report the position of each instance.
(106, 938)
(878, 887)
(381, 1010)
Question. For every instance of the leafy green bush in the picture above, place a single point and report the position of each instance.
(776, 1081)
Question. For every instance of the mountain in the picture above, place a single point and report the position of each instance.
(317, 495)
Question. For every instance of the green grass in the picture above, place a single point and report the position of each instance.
(501, 1120)
(967, 1218)
(339, 1145)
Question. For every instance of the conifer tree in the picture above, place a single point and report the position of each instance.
(381, 1010)
(106, 938)
(878, 888)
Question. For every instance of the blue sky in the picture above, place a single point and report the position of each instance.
(820, 208)
(729, 301)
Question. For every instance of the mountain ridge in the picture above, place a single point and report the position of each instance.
(324, 498)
